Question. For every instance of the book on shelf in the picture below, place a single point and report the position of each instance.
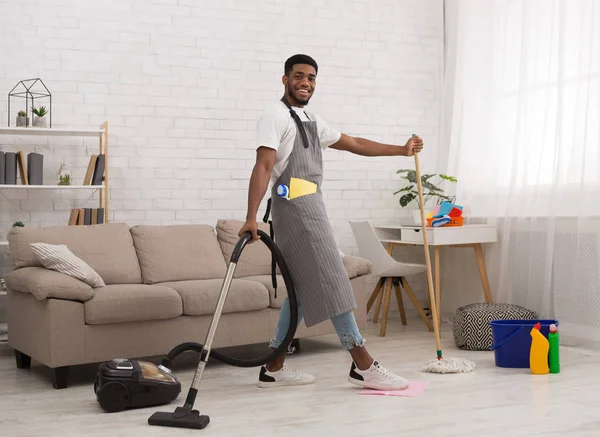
(86, 216)
(95, 171)
(10, 168)
(22, 167)
(98, 177)
(35, 168)
(2, 172)
(80, 216)
(87, 180)
(73, 217)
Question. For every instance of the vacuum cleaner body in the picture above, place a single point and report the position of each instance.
(122, 383)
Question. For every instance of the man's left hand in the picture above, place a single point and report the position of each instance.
(413, 145)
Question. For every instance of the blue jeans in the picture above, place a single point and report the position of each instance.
(345, 325)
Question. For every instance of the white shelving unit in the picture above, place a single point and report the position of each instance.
(101, 133)
(51, 187)
(64, 132)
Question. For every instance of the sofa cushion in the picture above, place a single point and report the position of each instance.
(107, 248)
(178, 252)
(356, 266)
(132, 303)
(268, 283)
(200, 296)
(44, 283)
(255, 258)
(58, 257)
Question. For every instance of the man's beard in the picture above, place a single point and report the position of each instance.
(297, 97)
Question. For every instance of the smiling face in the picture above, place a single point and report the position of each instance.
(300, 84)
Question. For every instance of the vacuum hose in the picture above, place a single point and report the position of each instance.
(235, 256)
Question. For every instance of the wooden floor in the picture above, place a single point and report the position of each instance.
(488, 402)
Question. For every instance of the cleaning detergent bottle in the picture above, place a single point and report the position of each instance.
(554, 356)
(538, 355)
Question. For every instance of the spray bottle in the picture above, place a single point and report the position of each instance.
(538, 355)
(554, 356)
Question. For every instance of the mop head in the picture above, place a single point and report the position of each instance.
(449, 365)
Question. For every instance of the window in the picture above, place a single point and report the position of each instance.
(546, 64)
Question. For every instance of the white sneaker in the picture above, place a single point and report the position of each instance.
(282, 377)
(376, 377)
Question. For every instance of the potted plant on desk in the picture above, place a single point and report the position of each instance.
(432, 193)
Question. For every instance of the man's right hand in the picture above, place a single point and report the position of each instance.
(252, 227)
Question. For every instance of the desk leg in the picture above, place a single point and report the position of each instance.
(438, 300)
(483, 273)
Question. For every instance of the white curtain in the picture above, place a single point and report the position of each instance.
(521, 118)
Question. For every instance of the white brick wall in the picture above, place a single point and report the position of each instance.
(182, 83)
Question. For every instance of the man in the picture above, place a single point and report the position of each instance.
(290, 143)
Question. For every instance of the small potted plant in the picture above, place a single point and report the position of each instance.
(18, 224)
(39, 120)
(22, 119)
(432, 193)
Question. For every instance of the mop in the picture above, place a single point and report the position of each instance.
(440, 364)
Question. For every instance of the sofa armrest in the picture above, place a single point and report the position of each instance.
(45, 283)
(356, 266)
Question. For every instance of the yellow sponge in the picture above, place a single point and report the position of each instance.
(300, 187)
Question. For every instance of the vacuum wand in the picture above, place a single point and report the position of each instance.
(211, 334)
(186, 416)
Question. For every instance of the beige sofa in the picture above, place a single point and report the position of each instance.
(162, 285)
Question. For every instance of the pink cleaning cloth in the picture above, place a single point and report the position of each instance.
(415, 388)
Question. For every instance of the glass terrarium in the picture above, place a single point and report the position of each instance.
(31, 90)
(64, 175)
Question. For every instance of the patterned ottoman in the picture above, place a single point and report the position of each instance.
(471, 323)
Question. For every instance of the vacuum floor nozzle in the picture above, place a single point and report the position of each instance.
(180, 418)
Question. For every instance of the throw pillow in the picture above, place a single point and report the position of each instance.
(58, 257)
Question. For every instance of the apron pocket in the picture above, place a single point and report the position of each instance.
(304, 196)
(310, 216)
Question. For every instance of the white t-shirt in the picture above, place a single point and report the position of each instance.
(277, 130)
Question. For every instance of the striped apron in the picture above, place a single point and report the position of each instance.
(304, 235)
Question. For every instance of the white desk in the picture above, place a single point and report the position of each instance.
(470, 236)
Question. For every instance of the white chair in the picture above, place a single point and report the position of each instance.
(390, 272)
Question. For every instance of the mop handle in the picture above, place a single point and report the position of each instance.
(427, 258)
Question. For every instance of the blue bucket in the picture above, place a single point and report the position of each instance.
(512, 340)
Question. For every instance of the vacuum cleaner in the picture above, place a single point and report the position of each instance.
(123, 383)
